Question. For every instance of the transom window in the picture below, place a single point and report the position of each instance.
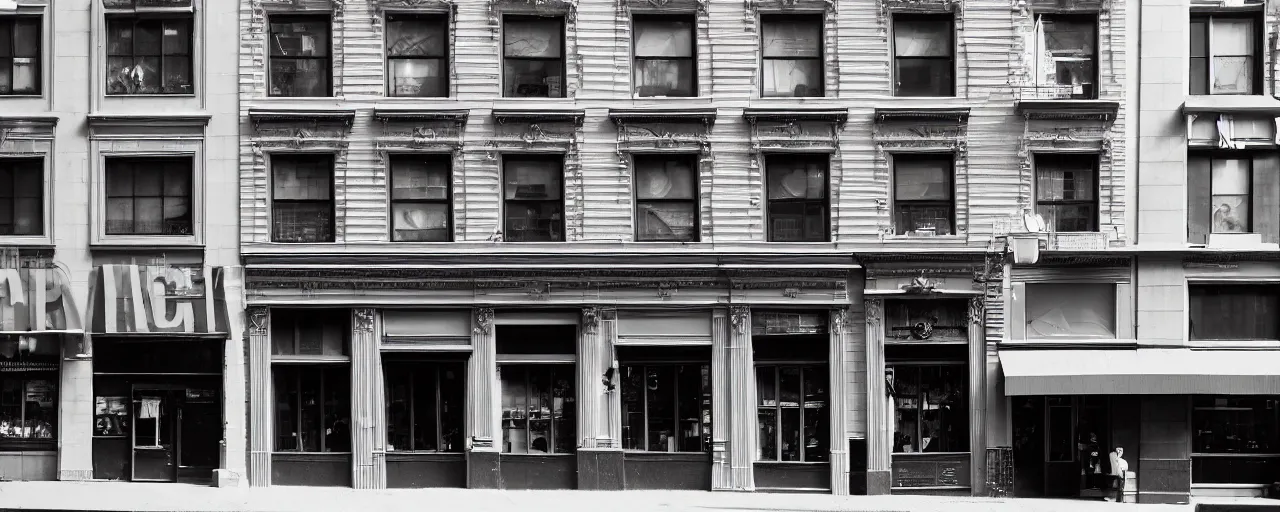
(149, 196)
(923, 55)
(1066, 191)
(797, 197)
(666, 198)
(1067, 61)
(21, 196)
(418, 55)
(791, 56)
(533, 57)
(923, 195)
(666, 407)
(20, 43)
(302, 207)
(1224, 55)
(664, 56)
(420, 191)
(149, 55)
(533, 191)
(300, 61)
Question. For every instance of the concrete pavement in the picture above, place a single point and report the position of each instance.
(119, 496)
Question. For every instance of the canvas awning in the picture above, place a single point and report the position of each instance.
(156, 299)
(1140, 372)
(37, 300)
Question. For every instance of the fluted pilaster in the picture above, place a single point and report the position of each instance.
(721, 474)
(977, 393)
(613, 398)
(482, 371)
(742, 400)
(838, 401)
(366, 407)
(591, 365)
(879, 404)
(260, 399)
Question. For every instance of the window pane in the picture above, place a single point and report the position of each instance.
(300, 38)
(1067, 179)
(148, 179)
(177, 74)
(26, 35)
(310, 424)
(536, 38)
(176, 216)
(452, 406)
(302, 222)
(667, 221)
(337, 409)
(533, 78)
(1199, 75)
(564, 409)
(1075, 72)
(662, 178)
(946, 419)
(119, 216)
(286, 407)
(1230, 214)
(1232, 75)
(663, 38)
(1062, 309)
(791, 39)
(515, 396)
(398, 409)
(767, 421)
(177, 38)
(1231, 37)
(424, 411)
(924, 76)
(792, 78)
(120, 37)
(633, 389)
(1230, 176)
(418, 77)
(147, 38)
(688, 407)
(906, 402)
(817, 439)
(1064, 38)
(1237, 312)
(534, 222)
(533, 179)
(418, 179)
(299, 77)
(664, 77)
(922, 179)
(804, 221)
(25, 75)
(416, 37)
(799, 180)
(301, 179)
(922, 38)
(417, 222)
(6, 40)
(660, 396)
(1068, 217)
(923, 220)
(1199, 39)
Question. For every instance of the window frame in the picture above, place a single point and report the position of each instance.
(818, 368)
(692, 159)
(506, 203)
(446, 59)
(563, 58)
(38, 60)
(14, 166)
(825, 160)
(952, 40)
(298, 373)
(643, 368)
(894, 202)
(412, 370)
(1089, 18)
(442, 158)
(820, 20)
(133, 162)
(326, 60)
(333, 202)
(1095, 161)
(135, 19)
(1256, 85)
(669, 17)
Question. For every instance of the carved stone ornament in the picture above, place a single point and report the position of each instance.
(740, 316)
(539, 291)
(844, 320)
(790, 293)
(364, 320)
(666, 290)
(591, 320)
(920, 285)
(977, 310)
(874, 309)
(258, 319)
(484, 321)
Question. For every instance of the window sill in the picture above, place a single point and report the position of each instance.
(1068, 342)
(112, 242)
(151, 96)
(1234, 344)
(21, 96)
(27, 242)
(955, 239)
(278, 359)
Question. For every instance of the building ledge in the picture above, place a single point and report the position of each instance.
(835, 115)
(15, 120)
(534, 115)
(151, 120)
(259, 115)
(1068, 110)
(958, 115)
(420, 114)
(659, 115)
(1260, 105)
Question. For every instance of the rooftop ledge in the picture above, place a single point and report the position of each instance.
(1261, 105)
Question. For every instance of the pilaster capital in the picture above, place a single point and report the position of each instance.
(363, 320)
(591, 320)
(484, 321)
(977, 310)
(257, 320)
(874, 309)
(741, 317)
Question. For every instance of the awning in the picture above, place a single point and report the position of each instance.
(37, 300)
(1140, 372)
(142, 299)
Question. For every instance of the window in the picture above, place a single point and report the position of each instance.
(418, 55)
(923, 56)
(1223, 55)
(533, 190)
(313, 408)
(792, 413)
(20, 42)
(425, 403)
(797, 198)
(533, 57)
(1067, 55)
(923, 196)
(28, 393)
(664, 56)
(538, 409)
(302, 198)
(666, 407)
(1229, 189)
(149, 55)
(310, 332)
(21, 196)
(666, 198)
(791, 54)
(1234, 312)
(420, 192)
(1236, 439)
(1071, 310)
(300, 62)
(930, 408)
(148, 196)
(1066, 191)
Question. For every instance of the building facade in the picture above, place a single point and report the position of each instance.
(120, 331)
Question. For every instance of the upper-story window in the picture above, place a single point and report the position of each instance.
(418, 55)
(791, 56)
(1071, 310)
(302, 206)
(797, 198)
(300, 61)
(1234, 312)
(533, 57)
(666, 198)
(149, 196)
(420, 208)
(19, 55)
(1066, 191)
(664, 56)
(1068, 59)
(923, 55)
(21, 197)
(149, 55)
(923, 195)
(1225, 57)
(533, 198)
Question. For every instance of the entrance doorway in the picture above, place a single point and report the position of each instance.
(176, 434)
(1061, 446)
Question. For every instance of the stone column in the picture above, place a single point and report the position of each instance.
(599, 462)
(838, 400)
(879, 405)
(367, 412)
(721, 473)
(75, 408)
(742, 401)
(482, 390)
(260, 399)
(977, 368)
(235, 395)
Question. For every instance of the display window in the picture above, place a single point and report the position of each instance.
(28, 393)
(666, 407)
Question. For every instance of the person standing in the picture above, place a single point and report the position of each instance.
(1119, 468)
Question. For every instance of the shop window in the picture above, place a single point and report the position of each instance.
(149, 55)
(1234, 312)
(666, 198)
(1066, 54)
(310, 332)
(420, 198)
(791, 56)
(931, 413)
(538, 409)
(1236, 440)
(664, 56)
(21, 196)
(1066, 191)
(797, 198)
(923, 195)
(1224, 54)
(28, 393)
(418, 55)
(313, 408)
(792, 416)
(149, 196)
(20, 44)
(302, 206)
(533, 57)
(923, 55)
(1071, 310)
(666, 407)
(300, 64)
(533, 191)
(425, 406)
(916, 321)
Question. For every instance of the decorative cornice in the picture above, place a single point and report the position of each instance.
(10, 121)
(484, 321)
(503, 116)
(705, 116)
(149, 120)
(417, 114)
(1069, 110)
(259, 115)
(957, 115)
(833, 115)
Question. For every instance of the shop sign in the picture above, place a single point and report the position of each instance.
(141, 299)
(36, 299)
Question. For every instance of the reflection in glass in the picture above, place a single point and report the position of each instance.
(664, 56)
(533, 57)
(299, 56)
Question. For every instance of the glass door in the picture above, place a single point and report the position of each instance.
(153, 436)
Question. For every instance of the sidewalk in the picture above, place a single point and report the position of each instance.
(118, 496)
